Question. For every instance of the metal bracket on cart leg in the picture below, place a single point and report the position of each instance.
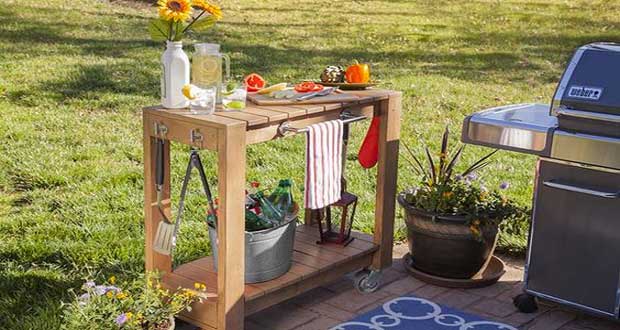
(375, 275)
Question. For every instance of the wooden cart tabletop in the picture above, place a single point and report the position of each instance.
(256, 116)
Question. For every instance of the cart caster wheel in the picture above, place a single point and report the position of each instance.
(525, 303)
(367, 281)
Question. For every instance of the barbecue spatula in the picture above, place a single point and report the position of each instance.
(165, 230)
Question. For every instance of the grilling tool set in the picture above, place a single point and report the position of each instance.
(165, 238)
(575, 231)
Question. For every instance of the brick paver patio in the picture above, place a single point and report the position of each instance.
(327, 306)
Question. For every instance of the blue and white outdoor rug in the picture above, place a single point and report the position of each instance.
(413, 313)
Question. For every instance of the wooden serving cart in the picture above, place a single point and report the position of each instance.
(228, 133)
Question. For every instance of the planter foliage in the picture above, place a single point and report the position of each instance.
(452, 219)
(138, 305)
(442, 191)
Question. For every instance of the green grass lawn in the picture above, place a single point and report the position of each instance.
(75, 74)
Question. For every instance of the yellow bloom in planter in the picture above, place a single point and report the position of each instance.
(175, 10)
(210, 8)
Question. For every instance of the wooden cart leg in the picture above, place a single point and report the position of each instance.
(389, 133)
(308, 217)
(153, 260)
(231, 228)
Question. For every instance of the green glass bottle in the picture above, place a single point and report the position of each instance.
(282, 198)
(269, 211)
(254, 222)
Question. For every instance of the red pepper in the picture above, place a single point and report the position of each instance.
(253, 82)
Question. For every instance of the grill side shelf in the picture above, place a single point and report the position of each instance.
(525, 128)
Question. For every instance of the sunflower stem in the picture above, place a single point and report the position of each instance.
(170, 31)
(192, 22)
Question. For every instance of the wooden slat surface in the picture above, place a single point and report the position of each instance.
(291, 112)
(259, 115)
(309, 260)
(331, 98)
(271, 115)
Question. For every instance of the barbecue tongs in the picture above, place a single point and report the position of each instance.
(165, 239)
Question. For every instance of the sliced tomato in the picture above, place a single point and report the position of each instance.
(317, 88)
(253, 82)
(308, 86)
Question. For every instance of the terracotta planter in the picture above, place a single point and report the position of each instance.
(444, 245)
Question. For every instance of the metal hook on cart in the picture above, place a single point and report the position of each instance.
(196, 136)
(160, 130)
(346, 117)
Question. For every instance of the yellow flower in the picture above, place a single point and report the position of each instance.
(210, 8)
(112, 279)
(175, 10)
(200, 286)
(129, 315)
(109, 294)
(121, 295)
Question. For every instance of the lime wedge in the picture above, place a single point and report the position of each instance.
(237, 105)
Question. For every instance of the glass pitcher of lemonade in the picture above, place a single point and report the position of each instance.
(207, 68)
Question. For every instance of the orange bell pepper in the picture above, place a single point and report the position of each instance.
(358, 73)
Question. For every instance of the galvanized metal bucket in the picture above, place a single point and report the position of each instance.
(268, 253)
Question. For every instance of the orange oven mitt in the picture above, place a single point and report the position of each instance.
(369, 151)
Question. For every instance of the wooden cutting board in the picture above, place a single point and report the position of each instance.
(331, 98)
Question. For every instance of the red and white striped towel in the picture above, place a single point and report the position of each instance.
(323, 164)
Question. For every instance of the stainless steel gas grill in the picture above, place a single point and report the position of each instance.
(574, 245)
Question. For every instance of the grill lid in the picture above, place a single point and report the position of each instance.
(591, 81)
(587, 98)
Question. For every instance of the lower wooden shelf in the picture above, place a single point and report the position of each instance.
(313, 265)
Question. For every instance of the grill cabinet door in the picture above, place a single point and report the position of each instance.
(575, 243)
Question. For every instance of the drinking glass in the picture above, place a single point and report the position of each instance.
(234, 99)
(203, 102)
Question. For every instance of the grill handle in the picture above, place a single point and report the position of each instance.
(604, 194)
(588, 115)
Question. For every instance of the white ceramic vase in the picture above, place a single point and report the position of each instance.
(175, 74)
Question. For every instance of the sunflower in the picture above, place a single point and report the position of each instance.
(175, 10)
(210, 8)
